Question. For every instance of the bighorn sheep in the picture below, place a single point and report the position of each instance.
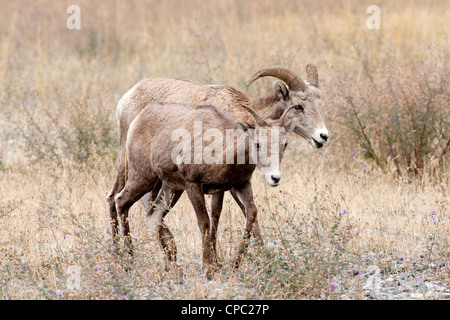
(150, 156)
(291, 90)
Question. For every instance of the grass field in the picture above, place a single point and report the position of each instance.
(376, 194)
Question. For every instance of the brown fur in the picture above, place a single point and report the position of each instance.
(149, 159)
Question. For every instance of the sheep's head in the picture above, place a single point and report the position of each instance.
(268, 140)
(303, 96)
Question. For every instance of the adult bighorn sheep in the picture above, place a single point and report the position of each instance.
(150, 157)
(290, 91)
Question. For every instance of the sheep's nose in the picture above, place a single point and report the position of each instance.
(276, 178)
(324, 136)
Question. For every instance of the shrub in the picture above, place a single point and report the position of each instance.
(67, 128)
(399, 116)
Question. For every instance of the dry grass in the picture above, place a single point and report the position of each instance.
(58, 146)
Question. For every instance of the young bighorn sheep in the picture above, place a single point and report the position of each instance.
(153, 154)
(291, 90)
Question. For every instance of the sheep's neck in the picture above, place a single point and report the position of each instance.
(265, 107)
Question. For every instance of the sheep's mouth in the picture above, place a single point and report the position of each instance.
(317, 144)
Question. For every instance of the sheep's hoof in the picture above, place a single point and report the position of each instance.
(179, 275)
(179, 278)
(175, 269)
(215, 266)
(209, 275)
(237, 262)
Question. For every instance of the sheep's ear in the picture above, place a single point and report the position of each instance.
(281, 89)
(242, 125)
(248, 130)
(289, 126)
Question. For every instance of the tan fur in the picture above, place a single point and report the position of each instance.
(307, 123)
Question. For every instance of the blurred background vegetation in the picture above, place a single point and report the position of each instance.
(384, 90)
(378, 189)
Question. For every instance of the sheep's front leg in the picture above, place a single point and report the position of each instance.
(255, 231)
(245, 195)
(197, 199)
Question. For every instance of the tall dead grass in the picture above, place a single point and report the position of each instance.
(58, 144)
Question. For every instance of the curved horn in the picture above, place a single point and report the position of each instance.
(313, 76)
(259, 121)
(290, 78)
(283, 116)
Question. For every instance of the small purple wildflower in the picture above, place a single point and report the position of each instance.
(364, 169)
(353, 154)
(333, 285)
(59, 293)
(363, 149)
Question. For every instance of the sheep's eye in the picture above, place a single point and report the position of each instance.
(285, 145)
(257, 146)
(299, 107)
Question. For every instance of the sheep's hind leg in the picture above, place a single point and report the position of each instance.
(118, 185)
(164, 201)
(148, 198)
(132, 192)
